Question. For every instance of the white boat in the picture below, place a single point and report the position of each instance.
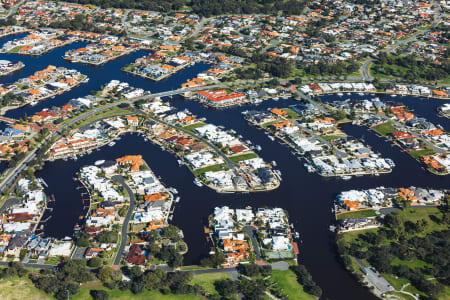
(99, 162)
(198, 182)
(271, 138)
(258, 147)
(111, 144)
(340, 94)
(274, 163)
(346, 177)
(393, 95)
(177, 199)
(276, 98)
(33, 103)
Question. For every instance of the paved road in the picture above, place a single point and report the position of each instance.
(123, 241)
(365, 67)
(12, 174)
(251, 232)
(14, 9)
(375, 278)
(33, 266)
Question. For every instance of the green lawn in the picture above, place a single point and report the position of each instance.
(242, 157)
(291, 114)
(384, 129)
(128, 68)
(287, 280)
(419, 153)
(214, 168)
(207, 280)
(331, 137)
(397, 283)
(16, 288)
(402, 295)
(117, 294)
(357, 214)
(113, 111)
(193, 126)
(415, 214)
(265, 125)
(417, 263)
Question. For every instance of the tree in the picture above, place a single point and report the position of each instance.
(176, 261)
(95, 262)
(99, 295)
(106, 274)
(226, 287)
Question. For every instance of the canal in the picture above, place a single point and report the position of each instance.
(307, 197)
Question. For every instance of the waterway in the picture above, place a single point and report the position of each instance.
(307, 197)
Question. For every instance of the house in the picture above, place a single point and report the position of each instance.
(136, 255)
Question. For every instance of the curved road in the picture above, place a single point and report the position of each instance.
(12, 174)
(123, 237)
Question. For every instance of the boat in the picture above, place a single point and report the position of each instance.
(177, 199)
(346, 177)
(276, 98)
(33, 103)
(258, 147)
(198, 182)
(76, 227)
(393, 95)
(99, 162)
(111, 144)
(274, 163)
(271, 138)
(340, 94)
(361, 94)
(297, 235)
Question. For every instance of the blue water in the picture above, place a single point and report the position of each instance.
(307, 197)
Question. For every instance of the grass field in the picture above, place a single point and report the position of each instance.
(291, 114)
(242, 157)
(265, 125)
(125, 295)
(287, 280)
(415, 214)
(214, 168)
(419, 153)
(384, 129)
(193, 126)
(107, 113)
(207, 280)
(331, 137)
(357, 214)
(16, 288)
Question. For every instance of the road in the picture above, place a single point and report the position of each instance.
(14, 9)
(251, 232)
(375, 278)
(365, 67)
(12, 174)
(123, 236)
